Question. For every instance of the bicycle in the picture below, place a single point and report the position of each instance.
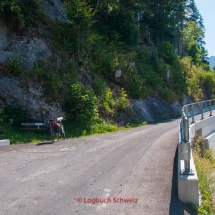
(55, 128)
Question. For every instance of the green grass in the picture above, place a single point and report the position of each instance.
(130, 126)
(205, 164)
(18, 136)
(73, 130)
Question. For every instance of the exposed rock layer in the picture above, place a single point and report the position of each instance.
(152, 109)
(12, 93)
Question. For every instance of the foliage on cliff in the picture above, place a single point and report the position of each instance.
(158, 36)
(19, 15)
(157, 45)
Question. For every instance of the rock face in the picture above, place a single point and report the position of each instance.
(22, 48)
(187, 100)
(12, 93)
(26, 48)
(32, 49)
(55, 10)
(152, 109)
(29, 50)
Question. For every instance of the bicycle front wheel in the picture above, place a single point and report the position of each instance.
(63, 132)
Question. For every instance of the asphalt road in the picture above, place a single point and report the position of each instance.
(128, 172)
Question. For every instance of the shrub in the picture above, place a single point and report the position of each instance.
(122, 21)
(15, 115)
(99, 85)
(107, 102)
(106, 65)
(166, 51)
(143, 54)
(122, 100)
(76, 36)
(15, 66)
(19, 14)
(194, 90)
(105, 58)
(81, 106)
(133, 83)
(56, 78)
(207, 79)
(193, 82)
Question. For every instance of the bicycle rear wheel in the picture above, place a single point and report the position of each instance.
(54, 136)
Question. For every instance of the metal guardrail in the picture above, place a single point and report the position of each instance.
(190, 111)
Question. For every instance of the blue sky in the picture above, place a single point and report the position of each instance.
(207, 10)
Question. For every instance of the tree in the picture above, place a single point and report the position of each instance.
(194, 35)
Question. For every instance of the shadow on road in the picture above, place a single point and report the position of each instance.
(176, 206)
(163, 121)
(45, 143)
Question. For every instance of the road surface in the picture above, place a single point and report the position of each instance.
(128, 172)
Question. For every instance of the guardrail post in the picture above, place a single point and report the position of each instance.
(202, 112)
(193, 120)
(186, 140)
(185, 149)
(210, 109)
(186, 130)
(186, 113)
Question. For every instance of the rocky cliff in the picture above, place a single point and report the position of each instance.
(12, 93)
(33, 48)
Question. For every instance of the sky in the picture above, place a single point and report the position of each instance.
(207, 10)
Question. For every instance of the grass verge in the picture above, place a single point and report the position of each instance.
(205, 164)
(18, 136)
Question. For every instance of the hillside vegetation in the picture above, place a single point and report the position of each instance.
(157, 45)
